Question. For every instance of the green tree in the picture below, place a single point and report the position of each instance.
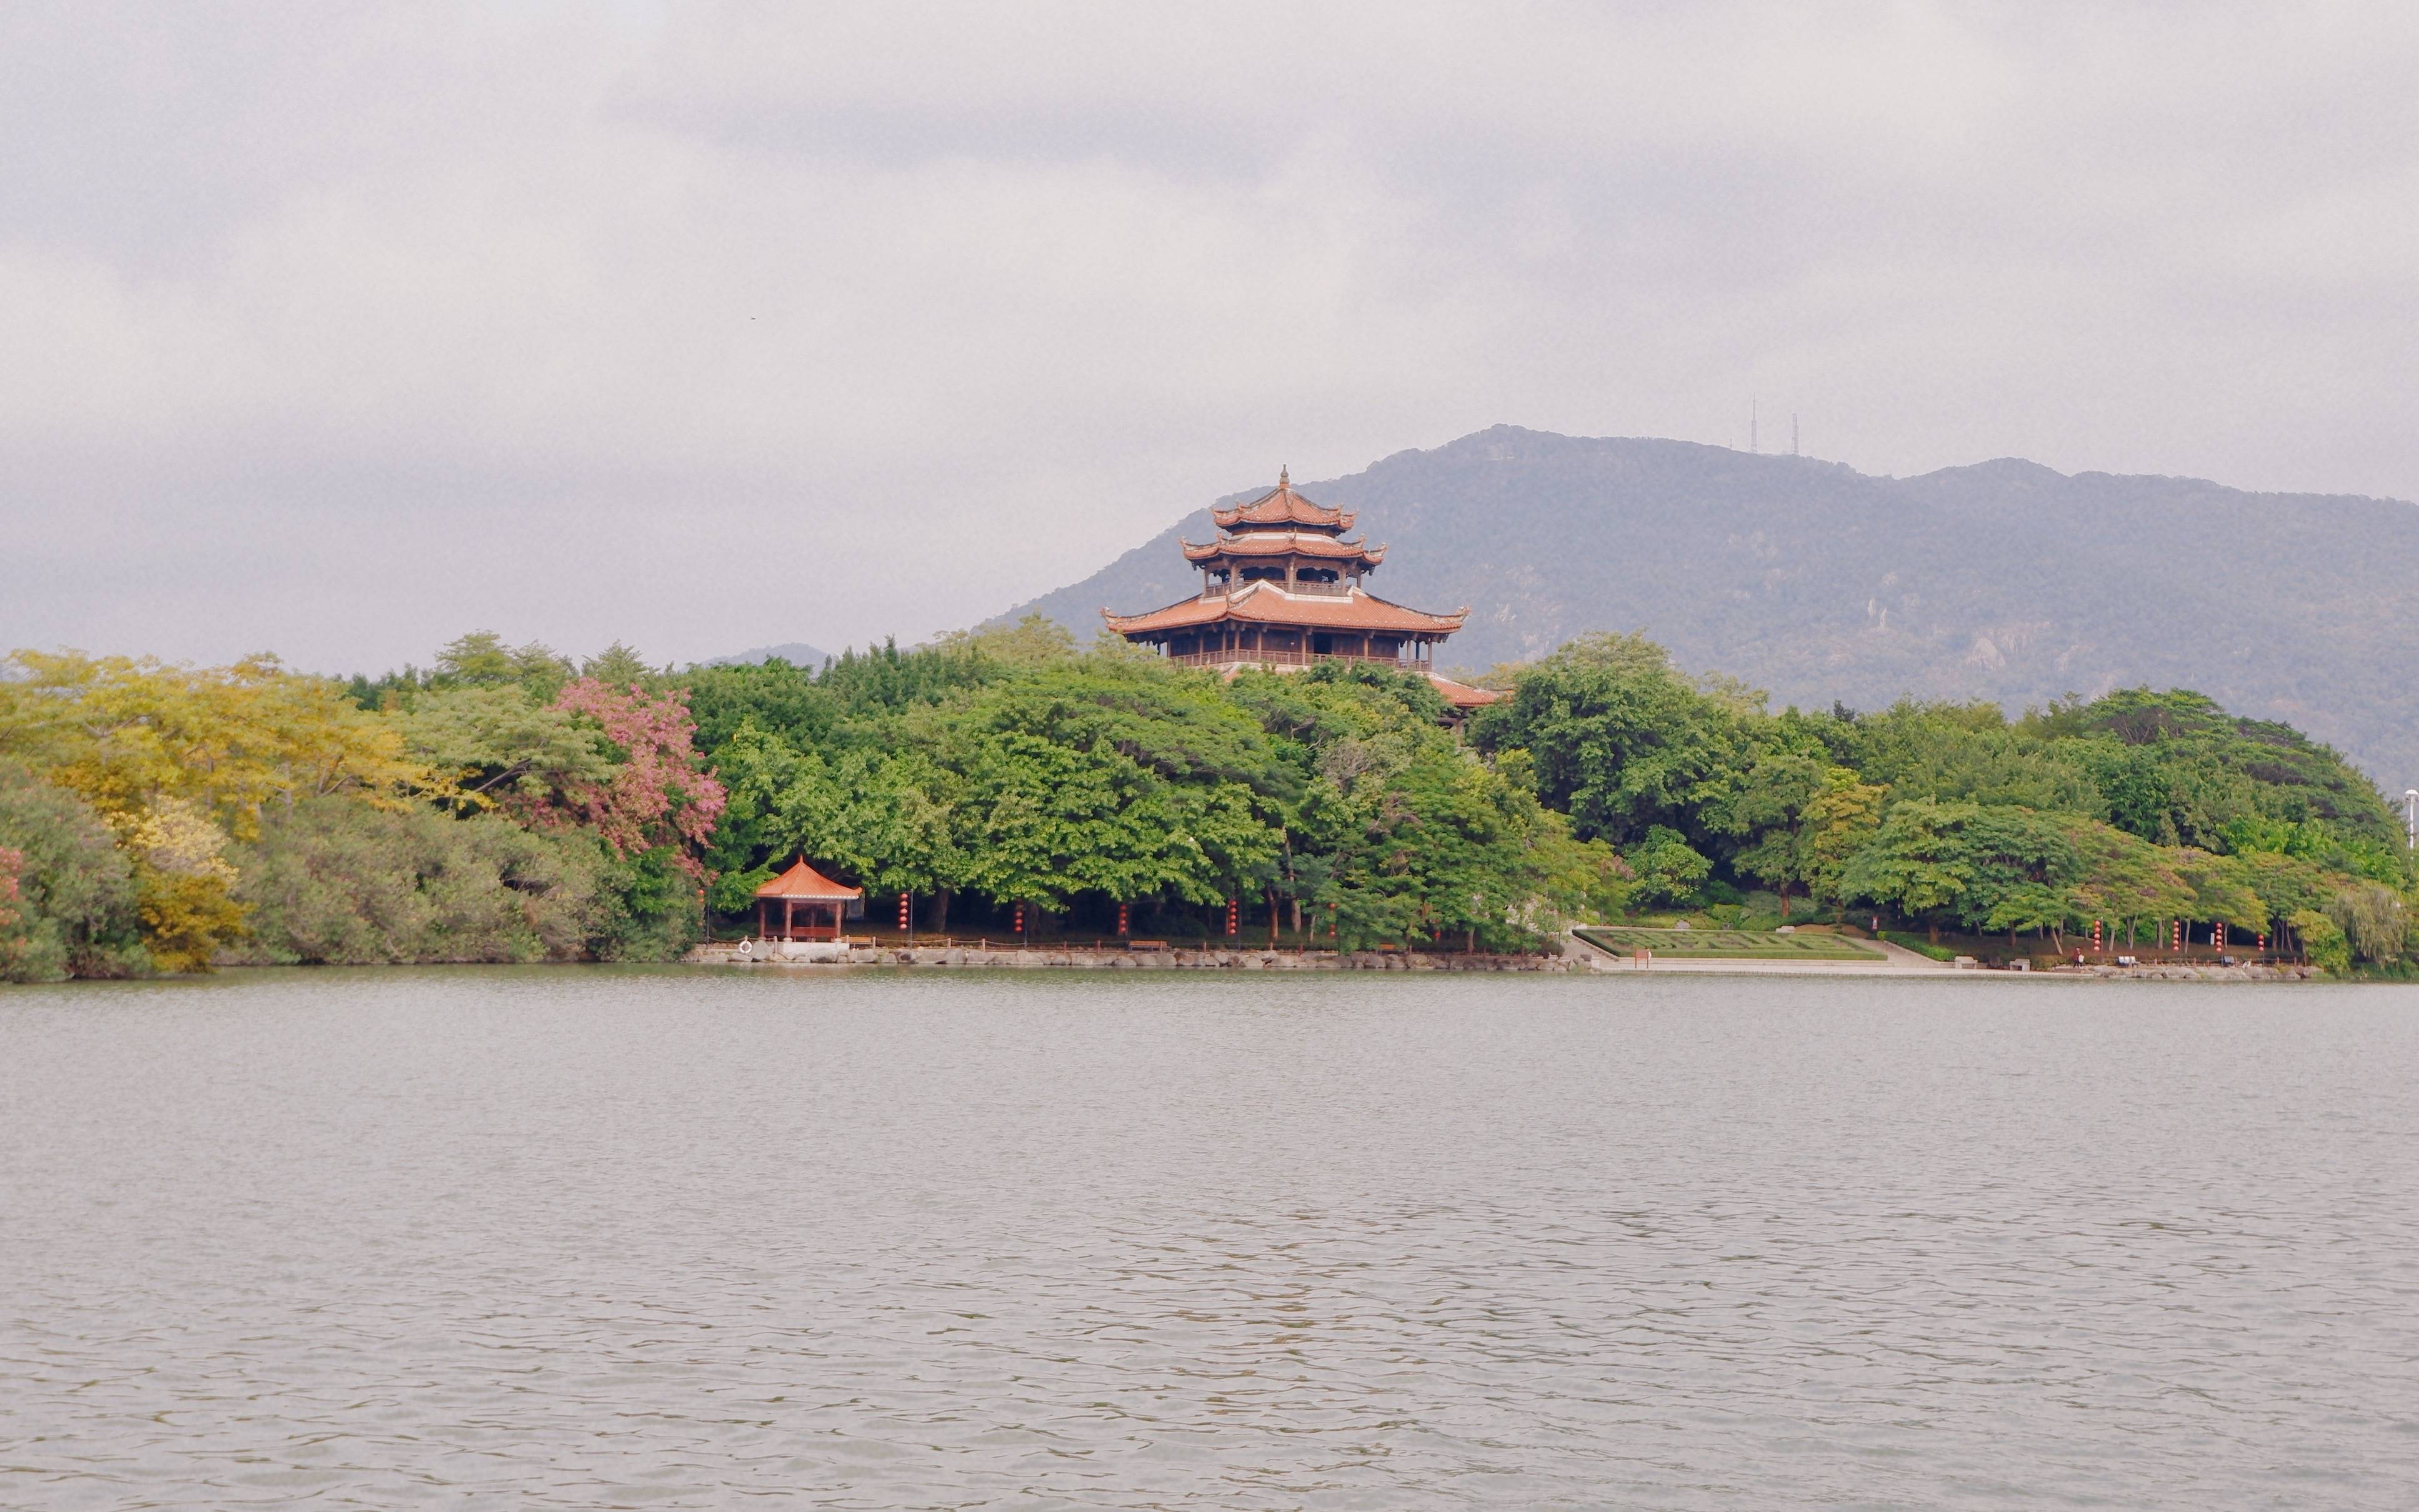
(1667, 869)
(1767, 809)
(2374, 920)
(2033, 906)
(2220, 889)
(481, 659)
(1914, 863)
(2190, 768)
(491, 745)
(1033, 640)
(1812, 818)
(2322, 941)
(1111, 777)
(1836, 824)
(621, 669)
(1621, 741)
(1965, 753)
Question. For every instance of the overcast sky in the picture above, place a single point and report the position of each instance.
(339, 330)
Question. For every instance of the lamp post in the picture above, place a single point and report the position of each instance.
(2411, 815)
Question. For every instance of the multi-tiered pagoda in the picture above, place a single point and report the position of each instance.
(1281, 587)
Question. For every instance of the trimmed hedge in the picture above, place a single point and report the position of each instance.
(1727, 944)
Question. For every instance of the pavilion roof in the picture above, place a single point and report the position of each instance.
(1283, 544)
(1280, 505)
(803, 881)
(1463, 696)
(1267, 604)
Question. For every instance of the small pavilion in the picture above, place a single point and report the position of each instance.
(793, 906)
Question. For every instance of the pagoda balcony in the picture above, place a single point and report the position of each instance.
(1253, 656)
(1335, 590)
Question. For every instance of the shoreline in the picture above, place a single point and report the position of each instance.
(1579, 959)
(1898, 960)
(1093, 958)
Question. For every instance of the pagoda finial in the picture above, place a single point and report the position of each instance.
(1283, 480)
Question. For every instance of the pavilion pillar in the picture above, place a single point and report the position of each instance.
(789, 918)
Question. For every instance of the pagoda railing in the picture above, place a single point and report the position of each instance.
(1254, 657)
(1340, 590)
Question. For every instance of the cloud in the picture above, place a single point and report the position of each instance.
(340, 329)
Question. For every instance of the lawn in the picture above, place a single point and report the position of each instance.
(1727, 943)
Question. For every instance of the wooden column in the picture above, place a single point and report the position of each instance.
(789, 918)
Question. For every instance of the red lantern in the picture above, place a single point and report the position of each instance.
(1122, 918)
(1020, 919)
(1234, 916)
(903, 913)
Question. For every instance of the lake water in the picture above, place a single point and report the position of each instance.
(600, 1238)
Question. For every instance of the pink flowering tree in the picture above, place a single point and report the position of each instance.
(655, 796)
(12, 946)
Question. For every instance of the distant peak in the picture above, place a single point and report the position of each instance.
(2000, 466)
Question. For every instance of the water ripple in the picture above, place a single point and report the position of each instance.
(573, 1237)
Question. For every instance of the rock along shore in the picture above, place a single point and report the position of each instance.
(2180, 972)
(1078, 958)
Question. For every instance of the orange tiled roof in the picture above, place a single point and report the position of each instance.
(1283, 542)
(1463, 696)
(1267, 604)
(1280, 505)
(803, 881)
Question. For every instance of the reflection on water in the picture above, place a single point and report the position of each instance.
(590, 1237)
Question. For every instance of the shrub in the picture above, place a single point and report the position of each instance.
(74, 909)
(339, 882)
(647, 909)
(1920, 944)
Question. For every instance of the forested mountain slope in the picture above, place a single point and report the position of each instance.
(2004, 580)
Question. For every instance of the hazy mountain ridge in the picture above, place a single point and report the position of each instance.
(797, 653)
(2004, 579)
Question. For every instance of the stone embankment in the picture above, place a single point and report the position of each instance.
(2180, 972)
(1078, 958)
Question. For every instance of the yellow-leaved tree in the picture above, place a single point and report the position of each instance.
(177, 759)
